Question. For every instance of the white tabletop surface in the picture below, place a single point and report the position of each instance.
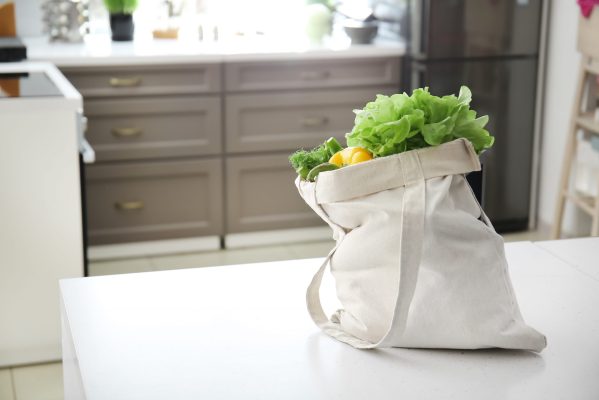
(242, 332)
(580, 253)
(100, 50)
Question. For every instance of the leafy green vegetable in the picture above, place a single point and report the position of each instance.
(320, 168)
(303, 161)
(391, 125)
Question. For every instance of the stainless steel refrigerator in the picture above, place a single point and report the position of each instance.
(492, 46)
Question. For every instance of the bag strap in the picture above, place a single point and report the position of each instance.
(412, 228)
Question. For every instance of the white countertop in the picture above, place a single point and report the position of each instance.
(70, 96)
(242, 332)
(70, 100)
(100, 50)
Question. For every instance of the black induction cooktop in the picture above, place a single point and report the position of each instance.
(31, 84)
(12, 49)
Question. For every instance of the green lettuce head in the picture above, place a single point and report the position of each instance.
(391, 125)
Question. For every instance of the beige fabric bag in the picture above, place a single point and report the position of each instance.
(417, 262)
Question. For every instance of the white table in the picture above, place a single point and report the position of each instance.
(242, 332)
(582, 254)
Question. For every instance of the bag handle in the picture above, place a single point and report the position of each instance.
(412, 227)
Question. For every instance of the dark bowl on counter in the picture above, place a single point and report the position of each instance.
(363, 33)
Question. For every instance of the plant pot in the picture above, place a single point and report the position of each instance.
(122, 27)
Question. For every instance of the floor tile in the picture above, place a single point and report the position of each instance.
(257, 254)
(311, 250)
(38, 382)
(6, 389)
(192, 260)
(124, 266)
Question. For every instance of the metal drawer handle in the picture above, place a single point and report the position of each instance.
(129, 205)
(310, 75)
(125, 82)
(315, 121)
(126, 132)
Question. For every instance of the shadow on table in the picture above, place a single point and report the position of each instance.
(487, 373)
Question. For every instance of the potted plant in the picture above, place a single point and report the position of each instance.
(121, 18)
(319, 19)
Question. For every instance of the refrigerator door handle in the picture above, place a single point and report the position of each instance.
(418, 75)
(420, 15)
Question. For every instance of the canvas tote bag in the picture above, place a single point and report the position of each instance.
(417, 262)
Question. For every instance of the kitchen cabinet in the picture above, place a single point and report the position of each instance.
(157, 135)
(317, 74)
(196, 149)
(261, 195)
(272, 109)
(154, 127)
(291, 120)
(132, 202)
(111, 81)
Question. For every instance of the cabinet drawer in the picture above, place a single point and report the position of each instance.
(154, 127)
(287, 121)
(261, 195)
(152, 201)
(311, 74)
(131, 81)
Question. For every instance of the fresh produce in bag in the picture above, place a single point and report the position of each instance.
(417, 263)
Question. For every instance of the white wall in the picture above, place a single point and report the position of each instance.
(29, 17)
(561, 76)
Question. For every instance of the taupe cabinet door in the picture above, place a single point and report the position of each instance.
(154, 127)
(287, 121)
(151, 201)
(150, 80)
(261, 195)
(302, 74)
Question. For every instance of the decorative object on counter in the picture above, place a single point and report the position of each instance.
(360, 23)
(165, 33)
(168, 24)
(66, 20)
(207, 32)
(319, 19)
(401, 285)
(8, 26)
(121, 18)
(360, 32)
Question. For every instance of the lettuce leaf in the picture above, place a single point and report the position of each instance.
(391, 125)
